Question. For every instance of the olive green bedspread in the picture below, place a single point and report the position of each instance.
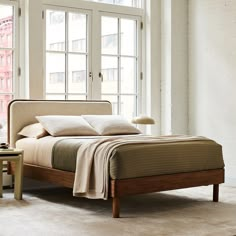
(132, 160)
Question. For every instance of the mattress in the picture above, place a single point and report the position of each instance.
(127, 161)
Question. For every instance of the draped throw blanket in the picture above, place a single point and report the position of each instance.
(92, 173)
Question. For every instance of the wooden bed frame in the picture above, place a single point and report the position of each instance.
(120, 188)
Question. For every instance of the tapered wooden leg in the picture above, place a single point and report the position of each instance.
(115, 207)
(215, 192)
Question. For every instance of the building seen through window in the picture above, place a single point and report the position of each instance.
(56, 18)
(6, 64)
(57, 77)
(78, 76)
(59, 46)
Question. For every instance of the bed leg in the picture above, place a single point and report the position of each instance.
(115, 207)
(215, 192)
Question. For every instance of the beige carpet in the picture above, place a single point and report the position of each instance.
(53, 211)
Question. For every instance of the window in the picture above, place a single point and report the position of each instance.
(99, 57)
(57, 78)
(1, 60)
(8, 62)
(60, 46)
(128, 3)
(66, 54)
(110, 74)
(120, 63)
(8, 83)
(56, 18)
(78, 44)
(78, 76)
(9, 59)
(109, 41)
(1, 83)
(1, 106)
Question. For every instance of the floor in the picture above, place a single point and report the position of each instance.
(54, 211)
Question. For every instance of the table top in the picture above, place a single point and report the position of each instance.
(10, 151)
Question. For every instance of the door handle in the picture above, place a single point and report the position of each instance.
(100, 76)
(91, 76)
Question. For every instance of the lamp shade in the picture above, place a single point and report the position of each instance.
(143, 120)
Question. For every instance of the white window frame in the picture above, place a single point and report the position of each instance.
(89, 81)
(138, 56)
(15, 48)
(96, 10)
(15, 60)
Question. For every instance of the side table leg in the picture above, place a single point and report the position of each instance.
(1, 178)
(18, 178)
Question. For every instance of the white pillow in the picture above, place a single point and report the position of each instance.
(110, 124)
(33, 131)
(58, 125)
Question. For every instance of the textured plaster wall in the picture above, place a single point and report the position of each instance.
(212, 75)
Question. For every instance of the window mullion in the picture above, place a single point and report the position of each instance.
(119, 67)
(66, 55)
(95, 37)
(89, 38)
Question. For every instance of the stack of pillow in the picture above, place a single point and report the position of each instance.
(84, 125)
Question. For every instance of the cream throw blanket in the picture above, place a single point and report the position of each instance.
(92, 173)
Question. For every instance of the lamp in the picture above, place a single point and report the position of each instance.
(143, 120)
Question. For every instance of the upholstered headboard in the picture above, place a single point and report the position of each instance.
(23, 112)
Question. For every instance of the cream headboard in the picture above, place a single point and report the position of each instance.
(23, 112)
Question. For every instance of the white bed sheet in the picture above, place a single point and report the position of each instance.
(39, 151)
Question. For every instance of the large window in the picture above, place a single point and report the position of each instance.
(93, 56)
(120, 64)
(8, 61)
(66, 55)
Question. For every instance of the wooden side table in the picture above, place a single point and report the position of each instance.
(15, 155)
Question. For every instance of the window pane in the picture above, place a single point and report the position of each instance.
(128, 75)
(110, 74)
(129, 3)
(105, 1)
(7, 39)
(55, 30)
(55, 97)
(55, 73)
(77, 32)
(113, 99)
(109, 35)
(6, 26)
(128, 37)
(6, 71)
(128, 106)
(77, 97)
(77, 73)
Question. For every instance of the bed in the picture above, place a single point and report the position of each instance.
(200, 161)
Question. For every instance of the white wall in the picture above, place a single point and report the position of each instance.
(174, 81)
(153, 63)
(212, 75)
